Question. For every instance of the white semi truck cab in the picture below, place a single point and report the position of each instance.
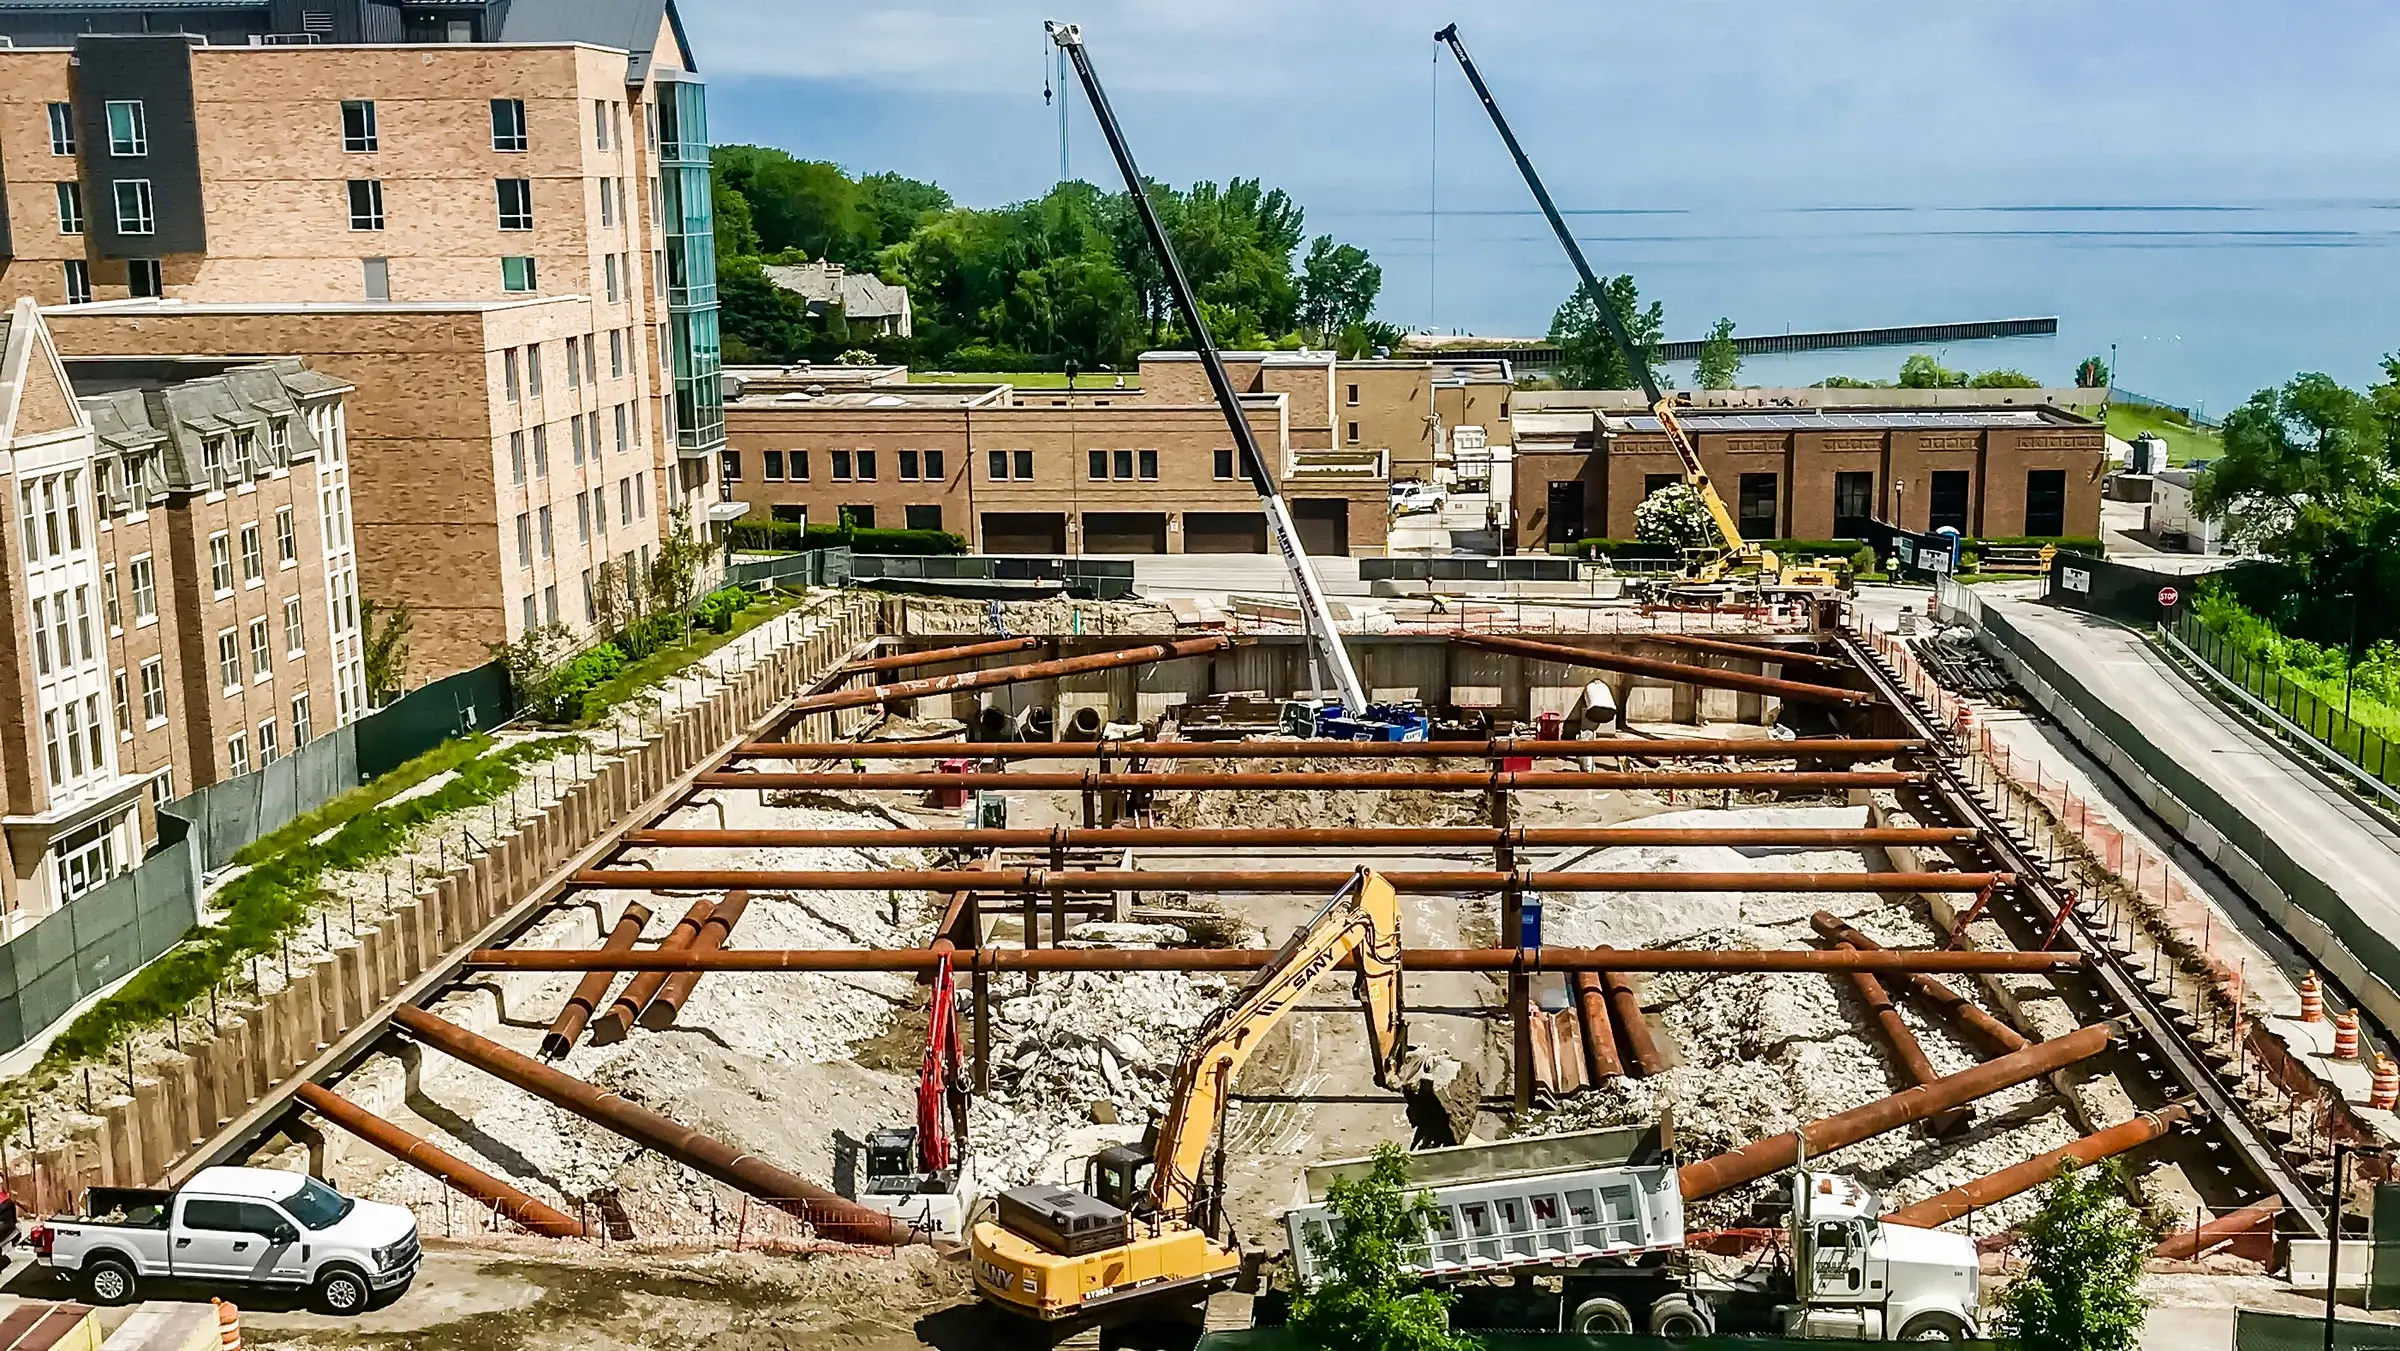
(1588, 1229)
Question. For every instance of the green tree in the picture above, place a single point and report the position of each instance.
(2091, 373)
(1338, 286)
(894, 206)
(1362, 1301)
(2306, 479)
(383, 656)
(737, 234)
(761, 321)
(2385, 396)
(2004, 379)
(2084, 1250)
(1674, 517)
(1590, 359)
(536, 664)
(807, 205)
(1923, 372)
(1720, 360)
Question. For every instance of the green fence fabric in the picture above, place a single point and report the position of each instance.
(474, 700)
(2374, 949)
(1282, 1339)
(2256, 1331)
(225, 816)
(2383, 1273)
(99, 937)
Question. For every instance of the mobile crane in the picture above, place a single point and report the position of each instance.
(1142, 1233)
(1709, 570)
(1326, 655)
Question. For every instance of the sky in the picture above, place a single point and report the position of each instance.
(1695, 117)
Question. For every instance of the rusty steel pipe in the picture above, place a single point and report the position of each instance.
(1641, 1047)
(1905, 1047)
(1599, 1031)
(662, 1008)
(594, 986)
(1652, 748)
(1007, 675)
(1998, 1037)
(1706, 676)
(1760, 1158)
(1734, 647)
(2016, 1179)
(1468, 781)
(2188, 1244)
(614, 1024)
(1046, 881)
(526, 1211)
(833, 1217)
(1506, 960)
(1303, 837)
(901, 661)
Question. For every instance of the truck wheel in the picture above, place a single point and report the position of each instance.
(108, 1281)
(1677, 1317)
(1933, 1327)
(342, 1291)
(1601, 1316)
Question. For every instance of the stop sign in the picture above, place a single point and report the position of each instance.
(2167, 597)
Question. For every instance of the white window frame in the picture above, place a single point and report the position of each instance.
(142, 219)
(154, 691)
(136, 140)
(70, 208)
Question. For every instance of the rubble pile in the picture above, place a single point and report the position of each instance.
(1322, 807)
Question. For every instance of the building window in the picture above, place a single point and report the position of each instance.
(543, 517)
(925, 517)
(79, 281)
(108, 599)
(268, 751)
(1949, 504)
(237, 754)
(508, 124)
(376, 278)
(1758, 506)
(366, 204)
(1653, 484)
(515, 197)
(541, 451)
(624, 501)
(608, 270)
(859, 517)
(583, 519)
(933, 466)
(358, 125)
(1124, 460)
(1098, 467)
(254, 562)
(128, 130)
(83, 622)
(1222, 463)
(145, 589)
(58, 764)
(841, 466)
(532, 619)
(62, 128)
(771, 466)
(295, 629)
(624, 427)
(133, 207)
(729, 465)
(616, 352)
(866, 466)
(70, 208)
(508, 373)
(154, 691)
(262, 660)
(575, 434)
(641, 497)
(600, 123)
(524, 539)
(1148, 460)
(550, 604)
(229, 662)
(574, 363)
(517, 275)
(1350, 397)
(608, 204)
(1351, 432)
(220, 563)
(516, 457)
(1024, 463)
(143, 278)
(795, 466)
(301, 728)
(2045, 502)
(533, 368)
(1853, 503)
(600, 509)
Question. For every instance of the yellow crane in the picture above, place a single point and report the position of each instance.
(1141, 1229)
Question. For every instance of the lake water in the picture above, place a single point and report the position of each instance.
(2207, 303)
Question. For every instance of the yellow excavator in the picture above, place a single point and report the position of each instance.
(1143, 1230)
(1734, 564)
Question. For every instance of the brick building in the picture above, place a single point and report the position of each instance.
(342, 156)
(1817, 473)
(180, 594)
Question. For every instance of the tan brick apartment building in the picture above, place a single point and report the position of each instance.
(180, 595)
(1818, 473)
(336, 157)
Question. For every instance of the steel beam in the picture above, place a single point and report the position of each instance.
(1599, 1030)
(514, 1205)
(1998, 1037)
(1005, 675)
(593, 987)
(902, 661)
(1905, 1048)
(1068, 880)
(1249, 959)
(1305, 837)
(1651, 748)
(1821, 1137)
(1317, 781)
(661, 1010)
(1708, 677)
(1641, 1047)
(1731, 647)
(2016, 1179)
(833, 1217)
(614, 1024)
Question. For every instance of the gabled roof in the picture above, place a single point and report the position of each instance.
(630, 24)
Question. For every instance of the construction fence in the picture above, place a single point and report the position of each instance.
(2254, 1330)
(97, 938)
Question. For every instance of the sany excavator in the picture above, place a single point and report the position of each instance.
(1708, 570)
(1144, 1230)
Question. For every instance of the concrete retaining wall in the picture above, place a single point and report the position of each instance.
(177, 1105)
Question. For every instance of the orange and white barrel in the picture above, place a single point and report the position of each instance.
(2384, 1092)
(2345, 1035)
(229, 1326)
(2312, 999)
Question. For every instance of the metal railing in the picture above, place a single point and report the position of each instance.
(2358, 752)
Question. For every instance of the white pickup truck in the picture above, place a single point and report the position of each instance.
(232, 1227)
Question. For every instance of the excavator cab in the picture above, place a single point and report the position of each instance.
(1119, 1175)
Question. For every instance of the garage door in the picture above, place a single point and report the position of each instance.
(1124, 532)
(1024, 532)
(1324, 525)
(1224, 532)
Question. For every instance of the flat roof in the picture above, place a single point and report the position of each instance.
(169, 305)
(1835, 419)
(875, 396)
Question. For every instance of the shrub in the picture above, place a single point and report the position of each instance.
(718, 608)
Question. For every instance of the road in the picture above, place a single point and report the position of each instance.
(2350, 849)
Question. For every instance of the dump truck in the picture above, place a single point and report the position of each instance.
(1590, 1224)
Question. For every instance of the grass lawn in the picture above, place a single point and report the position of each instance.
(2185, 442)
(1026, 379)
(668, 660)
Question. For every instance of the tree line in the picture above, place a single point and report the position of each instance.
(1067, 278)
